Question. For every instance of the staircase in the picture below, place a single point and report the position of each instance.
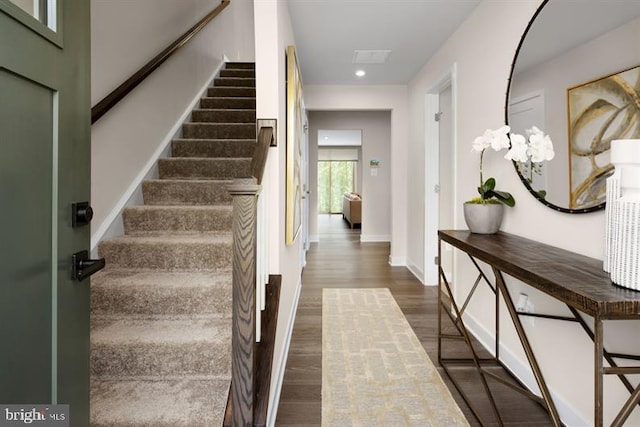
(161, 310)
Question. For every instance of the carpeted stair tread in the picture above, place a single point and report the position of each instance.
(170, 252)
(239, 92)
(146, 294)
(224, 115)
(235, 81)
(219, 130)
(233, 103)
(212, 167)
(137, 331)
(141, 220)
(185, 192)
(134, 347)
(194, 147)
(168, 403)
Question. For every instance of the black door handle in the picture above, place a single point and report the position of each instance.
(81, 214)
(84, 267)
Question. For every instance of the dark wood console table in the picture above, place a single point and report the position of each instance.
(575, 280)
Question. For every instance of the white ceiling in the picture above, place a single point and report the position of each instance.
(328, 32)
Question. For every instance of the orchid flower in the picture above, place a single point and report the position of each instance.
(537, 148)
(540, 146)
(519, 149)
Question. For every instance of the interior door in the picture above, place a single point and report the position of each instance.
(44, 169)
(445, 177)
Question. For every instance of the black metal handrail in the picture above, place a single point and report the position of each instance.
(104, 105)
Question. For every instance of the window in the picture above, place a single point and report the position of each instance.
(334, 179)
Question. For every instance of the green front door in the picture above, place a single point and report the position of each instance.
(44, 169)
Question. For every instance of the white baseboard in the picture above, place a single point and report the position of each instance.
(280, 366)
(417, 272)
(112, 225)
(521, 370)
(368, 238)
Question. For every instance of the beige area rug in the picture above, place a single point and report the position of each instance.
(375, 372)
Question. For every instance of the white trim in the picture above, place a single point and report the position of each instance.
(102, 230)
(569, 415)
(416, 271)
(314, 238)
(367, 238)
(274, 396)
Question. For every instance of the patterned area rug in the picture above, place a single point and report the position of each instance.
(375, 372)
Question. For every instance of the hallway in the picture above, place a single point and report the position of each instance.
(341, 261)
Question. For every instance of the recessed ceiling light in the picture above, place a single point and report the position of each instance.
(326, 138)
(360, 73)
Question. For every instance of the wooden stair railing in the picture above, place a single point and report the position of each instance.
(104, 105)
(245, 192)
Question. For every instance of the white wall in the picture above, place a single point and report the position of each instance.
(273, 35)
(376, 190)
(393, 98)
(483, 48)
(125, 35)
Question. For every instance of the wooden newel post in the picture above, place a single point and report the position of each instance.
(244, 193)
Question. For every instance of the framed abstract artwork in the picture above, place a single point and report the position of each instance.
(295, 130)
(599, 111)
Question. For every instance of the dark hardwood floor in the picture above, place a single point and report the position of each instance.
(341, 261)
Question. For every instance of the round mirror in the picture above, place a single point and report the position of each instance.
(576, 76)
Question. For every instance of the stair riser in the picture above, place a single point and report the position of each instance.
(240, 66)
(240, 92)
(172, 193)
(224, 116)
(204, 168)
(212, 148)
(230, 103)
(140, 222)
(166, 256)
(153, 300)
(238, 73)
(148, 359)
(219, 131)
(234, 82)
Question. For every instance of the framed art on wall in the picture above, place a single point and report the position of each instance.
(599, 111)
(295, 130)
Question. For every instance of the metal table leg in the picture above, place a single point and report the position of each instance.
(546, 395)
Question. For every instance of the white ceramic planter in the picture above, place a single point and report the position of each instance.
(622, 215)
(483, 218)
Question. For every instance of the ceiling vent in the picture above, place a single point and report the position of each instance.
(370, 56)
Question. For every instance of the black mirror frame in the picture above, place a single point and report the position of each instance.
(506, 120)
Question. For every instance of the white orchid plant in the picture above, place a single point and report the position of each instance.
(536, 148)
